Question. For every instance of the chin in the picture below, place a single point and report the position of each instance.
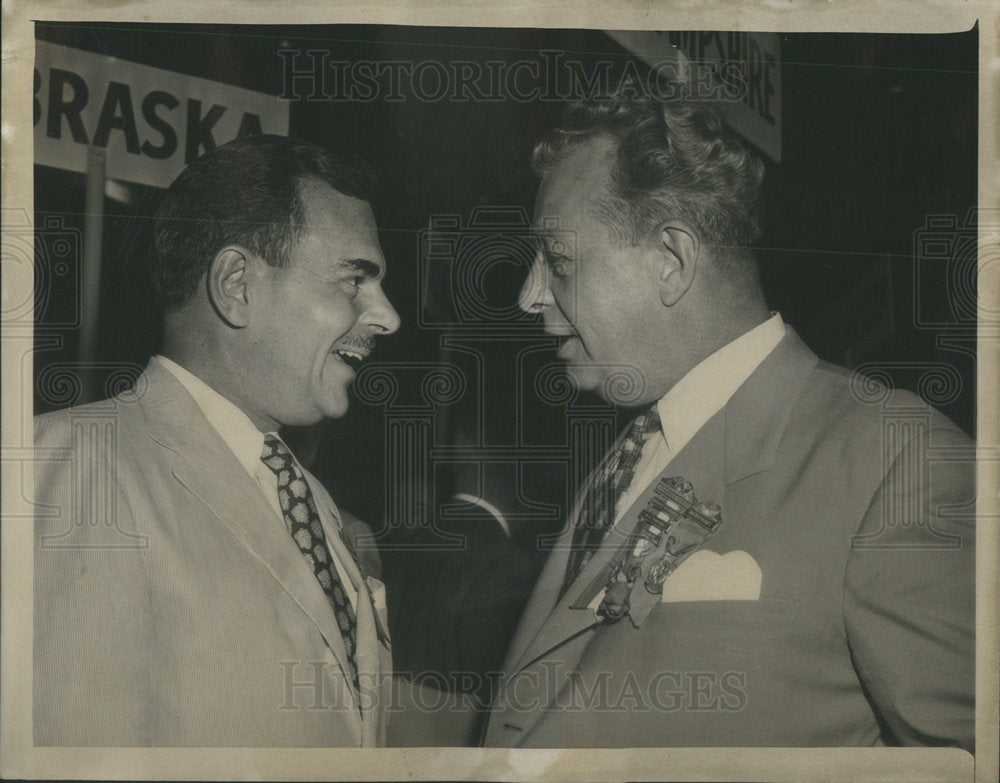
(625, 386)
(584, 379)
(330, 396)
(334, 409)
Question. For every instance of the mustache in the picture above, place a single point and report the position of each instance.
(357, 341)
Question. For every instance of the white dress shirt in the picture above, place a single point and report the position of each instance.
(697, 397)
(247, 443)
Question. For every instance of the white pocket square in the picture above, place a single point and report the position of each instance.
(709, 576)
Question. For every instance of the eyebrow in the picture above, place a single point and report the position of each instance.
(364, 265)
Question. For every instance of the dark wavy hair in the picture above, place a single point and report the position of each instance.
(245, 192)
(673, 160)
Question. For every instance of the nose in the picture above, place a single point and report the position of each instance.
(381, 314)
(535, 295)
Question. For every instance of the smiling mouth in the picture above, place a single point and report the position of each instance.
(352, 359)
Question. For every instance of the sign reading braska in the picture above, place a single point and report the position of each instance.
(151, 122)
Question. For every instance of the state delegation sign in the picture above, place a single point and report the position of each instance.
(151, 122)
(747, 65)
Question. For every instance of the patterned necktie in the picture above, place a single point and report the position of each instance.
(597, 513)
(302, 520)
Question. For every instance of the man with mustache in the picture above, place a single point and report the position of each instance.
(775, 552)
(194, 585)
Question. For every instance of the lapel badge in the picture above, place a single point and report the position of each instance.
(673, 524)
(616, 601)
(687, 523)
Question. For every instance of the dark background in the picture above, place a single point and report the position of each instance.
(879, 136)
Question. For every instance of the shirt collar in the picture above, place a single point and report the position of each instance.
(233, 425)
(706, 389)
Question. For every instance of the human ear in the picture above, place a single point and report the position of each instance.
(679, 251)
(228, 278)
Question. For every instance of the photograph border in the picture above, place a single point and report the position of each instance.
(19, 759)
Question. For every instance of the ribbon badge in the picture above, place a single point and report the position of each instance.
(673, 524)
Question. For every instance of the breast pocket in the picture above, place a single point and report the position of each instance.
(767, 639)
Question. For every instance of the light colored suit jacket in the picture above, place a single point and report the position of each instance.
(857, 507)
(172, 608)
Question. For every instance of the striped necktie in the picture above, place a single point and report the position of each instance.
(302, 520)
(612, 480)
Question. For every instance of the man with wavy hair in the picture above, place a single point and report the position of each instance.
(194, 584)
(765, 557)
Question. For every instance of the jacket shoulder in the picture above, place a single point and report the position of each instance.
(858, 401)
(55, 429)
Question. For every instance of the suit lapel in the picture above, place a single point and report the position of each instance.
(542, 602)
(757, 414)
(211, 472)
(700, 462)
(740, 440)
(370, 633)
(543, 597)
